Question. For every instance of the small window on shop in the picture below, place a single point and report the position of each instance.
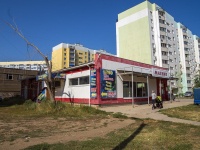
(73, 81)
(79, 80)
(84, 80)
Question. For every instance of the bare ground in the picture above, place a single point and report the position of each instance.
(19, 134)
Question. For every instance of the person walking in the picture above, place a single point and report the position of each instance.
(153, 95)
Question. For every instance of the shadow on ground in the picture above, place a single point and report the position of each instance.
(124, 143)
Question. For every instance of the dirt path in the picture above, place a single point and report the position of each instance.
(24, 133)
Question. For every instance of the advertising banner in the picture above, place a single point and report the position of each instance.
(108, 84)
(93, 86)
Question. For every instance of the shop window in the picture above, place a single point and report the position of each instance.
(139, 89)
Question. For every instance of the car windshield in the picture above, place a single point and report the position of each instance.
(188, 92)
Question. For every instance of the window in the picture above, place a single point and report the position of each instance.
(84, 80)
(139, 89)
(164, 61)
(79, 80)
(168, 24)
(162, 36)
(73, 81)
(164, 53)
(162, 29)
(64, 49)
(162, 21)
(163, 45)
(168, 31)
(9, 76)
(161, 13)
(186, 43)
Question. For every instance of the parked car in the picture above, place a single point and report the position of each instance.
(188, 94)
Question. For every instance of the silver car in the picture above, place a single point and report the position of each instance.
(188, 94)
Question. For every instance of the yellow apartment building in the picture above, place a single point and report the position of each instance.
(69, 55)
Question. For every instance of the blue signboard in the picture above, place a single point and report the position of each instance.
(108, 84)
(93, 85)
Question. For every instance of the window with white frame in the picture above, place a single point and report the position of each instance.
(79, 80)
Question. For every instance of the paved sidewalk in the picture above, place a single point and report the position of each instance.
(145, 111)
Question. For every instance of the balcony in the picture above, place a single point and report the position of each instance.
(165, 49)
(165, 66)
(188, 71)
(185, 33)
(162, 32)
(162, 25)
(186, 52)
(164, 57)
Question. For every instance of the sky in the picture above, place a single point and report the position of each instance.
(92, 23)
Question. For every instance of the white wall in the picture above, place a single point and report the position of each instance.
(76, 91)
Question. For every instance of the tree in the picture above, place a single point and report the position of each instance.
(49, 80)
(197, 82)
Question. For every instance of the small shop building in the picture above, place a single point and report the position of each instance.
(111, 80)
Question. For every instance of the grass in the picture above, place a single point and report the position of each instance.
(144, 134)
(190, 112)
(31, 109)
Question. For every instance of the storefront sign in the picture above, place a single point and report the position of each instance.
(160, 73)
(93, 86)
(41, 77)
(108, 85)
(53, 75)
(59, 76)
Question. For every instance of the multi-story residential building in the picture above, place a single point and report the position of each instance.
(25, 65)
(147, 33)
(69, 55)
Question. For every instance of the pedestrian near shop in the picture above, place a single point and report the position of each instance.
(153, 95)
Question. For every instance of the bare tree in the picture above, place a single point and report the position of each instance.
(49, 80)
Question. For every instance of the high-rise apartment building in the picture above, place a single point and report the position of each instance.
(69, 55)
(25, 65)
(147, 33)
